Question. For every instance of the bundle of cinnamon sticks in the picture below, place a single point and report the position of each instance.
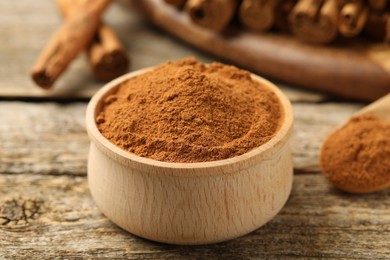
(316, 21)
(82, 30)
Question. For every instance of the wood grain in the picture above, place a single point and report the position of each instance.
(317, 222)
(52, 138)
(43, 138)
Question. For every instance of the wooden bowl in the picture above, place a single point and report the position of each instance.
(189, 203)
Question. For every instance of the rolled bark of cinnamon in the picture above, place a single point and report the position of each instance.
(257, 15)
(106, 55)
(70, 39)
(315, 21)
(282, 13)
(353, 17)
(211, 14)
(176, 3)
(377, 5)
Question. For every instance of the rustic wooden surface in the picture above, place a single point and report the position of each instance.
(47, 216)
(46, 210)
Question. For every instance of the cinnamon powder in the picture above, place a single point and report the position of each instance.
(185, 111)
(356, 158)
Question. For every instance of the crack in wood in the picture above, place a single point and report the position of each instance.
(19, 211)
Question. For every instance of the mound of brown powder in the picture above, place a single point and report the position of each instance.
(185, 111)
(356, 158)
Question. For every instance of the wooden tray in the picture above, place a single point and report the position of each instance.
(352, 69)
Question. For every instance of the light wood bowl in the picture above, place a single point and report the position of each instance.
(189, 203)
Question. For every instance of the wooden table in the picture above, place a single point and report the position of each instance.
(46, 210)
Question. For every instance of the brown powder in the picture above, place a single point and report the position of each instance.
(356, 158)
(185, 111)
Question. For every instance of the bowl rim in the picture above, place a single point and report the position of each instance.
(130, 159)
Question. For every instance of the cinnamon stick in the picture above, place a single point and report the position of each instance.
(176, 3)
(257, 15)
(106, 55)
(315, 21)
(70, 39)
(377, 5)
(353, 17)
(282, 13)
(211, 14)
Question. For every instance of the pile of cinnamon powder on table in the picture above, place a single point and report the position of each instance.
(185, 111)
